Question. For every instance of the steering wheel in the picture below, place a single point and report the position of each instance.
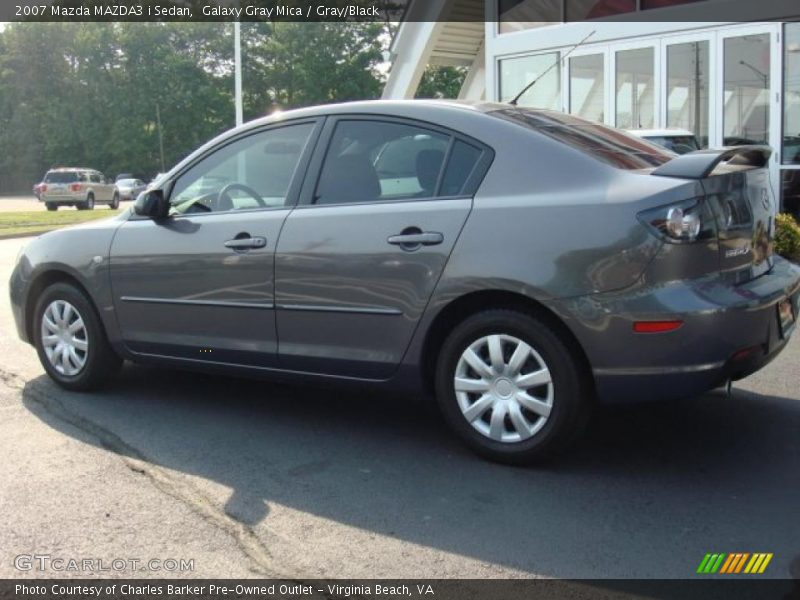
(239, 186)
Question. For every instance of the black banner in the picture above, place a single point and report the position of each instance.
(373, 589)
(510, 11)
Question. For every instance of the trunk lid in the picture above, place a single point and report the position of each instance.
(744, 206)
(738, 193)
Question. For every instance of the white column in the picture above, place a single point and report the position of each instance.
(412, 53)
(237, 75)
(474, 86)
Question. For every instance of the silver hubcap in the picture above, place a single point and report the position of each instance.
(64, 338)
(503, 388)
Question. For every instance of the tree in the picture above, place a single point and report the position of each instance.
(87, 94)
(287, 65)
(441, 82)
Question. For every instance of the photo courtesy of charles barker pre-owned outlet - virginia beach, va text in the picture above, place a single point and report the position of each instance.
(400, 299)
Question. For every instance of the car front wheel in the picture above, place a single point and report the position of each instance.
(510, 387)
(70, 340)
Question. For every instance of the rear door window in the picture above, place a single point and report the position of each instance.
(369, 160)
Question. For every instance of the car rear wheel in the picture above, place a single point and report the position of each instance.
(70, 339)
(510, 388)
(114, 202)
(51, 206)
(88, 204)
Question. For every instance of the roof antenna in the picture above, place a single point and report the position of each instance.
(550, 68)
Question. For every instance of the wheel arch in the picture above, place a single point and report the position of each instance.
(40, 283)
(471, 303)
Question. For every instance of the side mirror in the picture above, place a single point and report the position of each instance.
(151, 203)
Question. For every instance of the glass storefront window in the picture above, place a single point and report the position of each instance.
(790, 191)
(687, 88)
(586, 87)
(579, 10)
(635, 88)
(791, 95)
(746, 89)
(648, 4)
(516, 15)
(516, 73)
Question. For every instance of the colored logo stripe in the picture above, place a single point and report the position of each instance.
(734, 563)
(710, 563)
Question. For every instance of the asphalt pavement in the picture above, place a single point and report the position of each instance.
(250, 478)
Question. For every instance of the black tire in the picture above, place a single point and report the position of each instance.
(114, 202)
(101, 362)
(51, 206)
(571, 400)
(88, 204)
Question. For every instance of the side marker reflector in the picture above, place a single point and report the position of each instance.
(656, 326)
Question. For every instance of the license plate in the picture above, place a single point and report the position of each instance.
(786, 316)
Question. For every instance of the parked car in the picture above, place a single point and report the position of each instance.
(82, 188)
(532, 265)
(129, 189)
(121, 176)
(37, 189)
(679, 141)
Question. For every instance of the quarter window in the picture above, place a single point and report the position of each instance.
(252, 172)
(371, 161)
(463, 159)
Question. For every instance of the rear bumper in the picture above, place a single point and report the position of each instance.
(62, 199)
(729, 331)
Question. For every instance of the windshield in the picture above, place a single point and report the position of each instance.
(61, 177)
(612, 146)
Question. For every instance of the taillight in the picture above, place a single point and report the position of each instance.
(42, 189)
(683, 222)
(75, 187)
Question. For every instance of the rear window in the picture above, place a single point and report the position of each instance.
(61, 177)
(612, 146)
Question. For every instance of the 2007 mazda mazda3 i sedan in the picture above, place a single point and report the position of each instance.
(521, 264)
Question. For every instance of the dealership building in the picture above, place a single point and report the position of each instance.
(638, 64)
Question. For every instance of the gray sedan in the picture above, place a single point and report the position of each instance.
(519, 265)
(130, 188)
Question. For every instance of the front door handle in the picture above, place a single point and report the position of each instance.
(423, 238)
(246, 243)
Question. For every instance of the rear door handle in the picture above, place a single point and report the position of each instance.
(423, 238)
(246, 243)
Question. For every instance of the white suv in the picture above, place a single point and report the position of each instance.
(82, 188)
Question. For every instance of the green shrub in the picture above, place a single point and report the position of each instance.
(787, 237)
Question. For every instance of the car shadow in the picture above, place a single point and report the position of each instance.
(645, 493)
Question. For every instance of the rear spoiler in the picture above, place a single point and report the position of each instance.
(700, 163)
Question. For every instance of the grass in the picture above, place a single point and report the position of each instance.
(16, 224)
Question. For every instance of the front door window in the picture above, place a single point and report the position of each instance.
(252, 172)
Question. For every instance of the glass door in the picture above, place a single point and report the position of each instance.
(790, 134)
(586, 86)
(636, 102)
(749, 80)
(688, 85)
